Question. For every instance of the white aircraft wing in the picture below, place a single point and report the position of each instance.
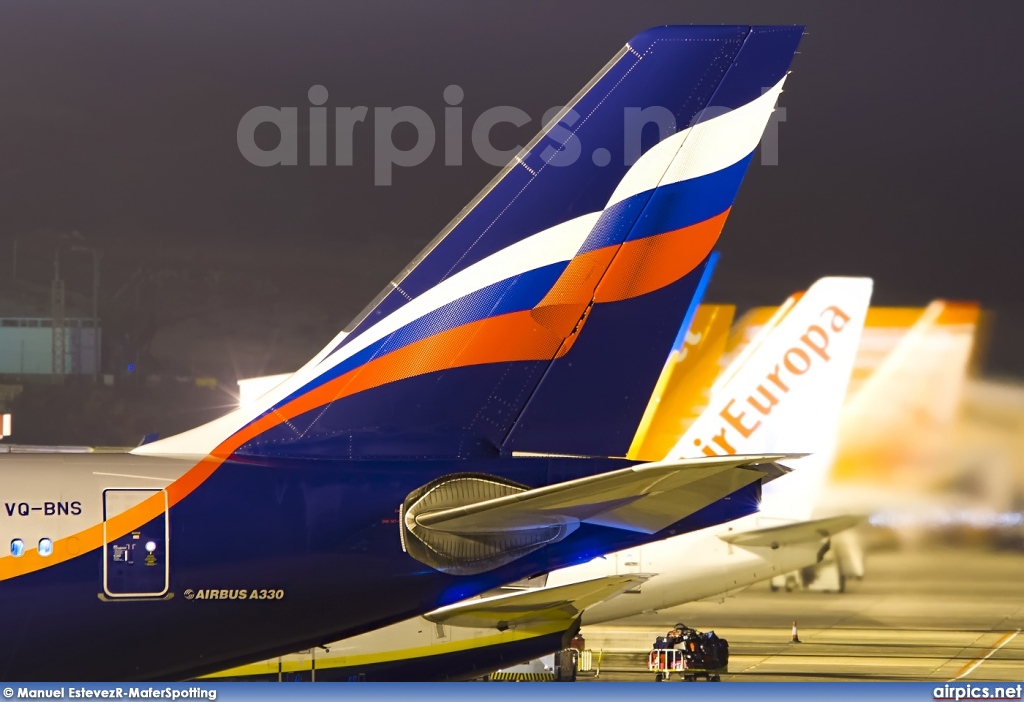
(789, 534)
(564, 602)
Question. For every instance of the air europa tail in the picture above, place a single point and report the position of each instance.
(540, 318)
(785, 391)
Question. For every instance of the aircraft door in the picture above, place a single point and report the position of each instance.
(136, 564)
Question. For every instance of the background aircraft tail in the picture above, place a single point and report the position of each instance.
(540, 318)
(684, 387)
(784, 392)
(897, 424)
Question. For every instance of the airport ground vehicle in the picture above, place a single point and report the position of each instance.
(690, 654)
(560, 666)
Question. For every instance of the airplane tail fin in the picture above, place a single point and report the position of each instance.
(896, 425)
(684, 387)
(540, 318)
(783, 393)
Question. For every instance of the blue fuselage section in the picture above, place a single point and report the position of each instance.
(266, 558)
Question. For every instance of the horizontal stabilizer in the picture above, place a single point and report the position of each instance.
(790, 534)
(549, 604)
(644, 498)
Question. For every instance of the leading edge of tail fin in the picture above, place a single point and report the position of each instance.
(598, 230)
(786, 395)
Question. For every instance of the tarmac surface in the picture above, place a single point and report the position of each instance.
(938, 615)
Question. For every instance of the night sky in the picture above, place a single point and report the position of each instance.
(899, 157)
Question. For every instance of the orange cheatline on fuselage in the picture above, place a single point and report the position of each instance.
(91, 538)
(653, 263)
(633, 269)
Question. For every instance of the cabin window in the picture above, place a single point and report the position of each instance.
(45, 547)
(17, 547)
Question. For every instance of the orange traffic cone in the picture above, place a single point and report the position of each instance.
(796, 636)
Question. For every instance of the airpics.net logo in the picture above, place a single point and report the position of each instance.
(318, 123)
(956, 693)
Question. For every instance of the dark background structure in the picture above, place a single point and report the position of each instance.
(898, 159)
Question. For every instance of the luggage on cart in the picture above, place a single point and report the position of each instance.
(663, 642)
(690, 654)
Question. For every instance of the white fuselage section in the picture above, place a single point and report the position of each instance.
(689, 567)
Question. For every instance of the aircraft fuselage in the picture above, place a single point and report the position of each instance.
(239, 562)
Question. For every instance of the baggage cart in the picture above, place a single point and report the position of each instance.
(690, 655)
